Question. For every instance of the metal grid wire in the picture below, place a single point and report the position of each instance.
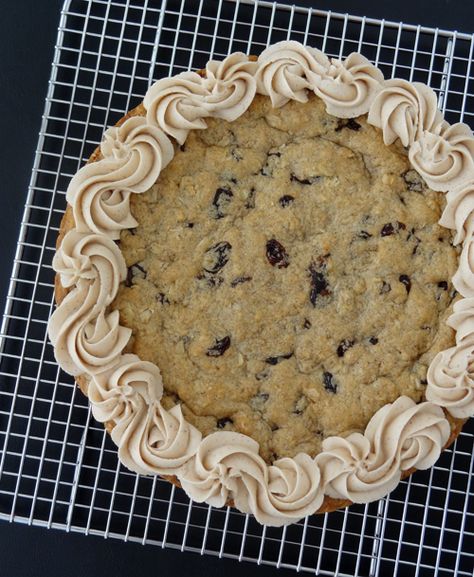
(58, 468)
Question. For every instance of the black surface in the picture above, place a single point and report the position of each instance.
(27, 36)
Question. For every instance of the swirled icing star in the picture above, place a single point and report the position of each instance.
(150, 440)
(444, 156)
(399, 436)
(349, 86)
(227, 466)
(134, 155)
(404, 110)
(451, 379)
(287, 70)
(458, 210)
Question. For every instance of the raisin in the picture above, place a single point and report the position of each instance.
(319, 286)
(217, 257)
(364, 234)
(140, 268)
(307, 324)
(163, 299)
(261, 376)
(344, 346)
(222, 198)
(387, 229)
(373, 340)
(392, 228)
(221, 423)
(412, 180)
(351, 124)
(286, 200)
(274, 427)
(405, 280)
(132, 272)
(240, 280)
(411, 235)
(443, 285)
(211, 281)
(132, 231)
(310, 180)
(219, 348)
(278, 359)
(276, 254)
(215, 281)
(329, 384)
(385, 288)
(250, 202)
(319, 283)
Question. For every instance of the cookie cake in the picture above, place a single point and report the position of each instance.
(265, 283)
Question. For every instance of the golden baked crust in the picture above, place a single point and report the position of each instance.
(68, 223)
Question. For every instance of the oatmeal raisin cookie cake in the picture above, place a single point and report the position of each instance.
(259, 288)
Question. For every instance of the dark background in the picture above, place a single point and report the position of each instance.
(27, 37)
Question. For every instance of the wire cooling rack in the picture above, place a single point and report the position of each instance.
(58, 468)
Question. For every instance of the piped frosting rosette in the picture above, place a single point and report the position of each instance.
(404, 110)
(150, 440)
(176, 105)
(87, 338)
(286, 71)
(133, 157)
(444, 156)
(451, 377)
(459, 208)
(462, 318)
(349, 86)
(125, 391)
(401, 435)
(181, 103)
(227, 466)
(459, 216)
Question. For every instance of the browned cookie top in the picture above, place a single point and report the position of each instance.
(288, 276)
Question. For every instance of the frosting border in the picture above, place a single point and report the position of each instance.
(154, 441)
